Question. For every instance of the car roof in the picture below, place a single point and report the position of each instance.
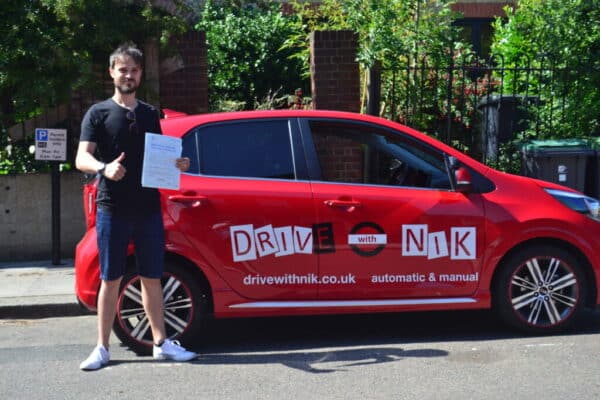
(177, 124)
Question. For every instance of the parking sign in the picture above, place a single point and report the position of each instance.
(51, 144)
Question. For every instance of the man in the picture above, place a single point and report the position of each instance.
(115, 129)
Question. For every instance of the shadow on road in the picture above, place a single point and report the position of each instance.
(310, 361)
(372, 330)
(328, 344)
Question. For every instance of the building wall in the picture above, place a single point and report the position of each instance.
(184, 77)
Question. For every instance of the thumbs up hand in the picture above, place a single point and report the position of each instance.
(115, 170)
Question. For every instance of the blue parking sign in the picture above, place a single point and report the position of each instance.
(41, 135)
(50, 144)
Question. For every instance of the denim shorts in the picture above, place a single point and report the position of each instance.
(115, 231)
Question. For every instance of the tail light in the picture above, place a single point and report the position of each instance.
(89, 202)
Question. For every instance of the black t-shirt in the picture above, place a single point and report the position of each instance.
(106, 124)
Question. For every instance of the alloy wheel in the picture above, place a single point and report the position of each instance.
(544, 291)
(133, 321)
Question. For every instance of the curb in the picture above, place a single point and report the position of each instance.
(34, 289)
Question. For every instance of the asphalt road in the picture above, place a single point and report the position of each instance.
(437, 355)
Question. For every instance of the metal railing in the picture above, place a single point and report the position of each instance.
(477, 106)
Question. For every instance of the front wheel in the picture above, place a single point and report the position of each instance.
(184, 309)
(540, 289)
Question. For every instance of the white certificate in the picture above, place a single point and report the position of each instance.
(160, 155)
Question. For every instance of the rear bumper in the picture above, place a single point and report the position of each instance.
(87, 271)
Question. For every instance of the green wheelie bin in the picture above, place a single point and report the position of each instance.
(563, 161)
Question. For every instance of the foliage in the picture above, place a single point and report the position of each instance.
(245, 59)
(416, 45)
(435, 96)
(275, 101)
(562, 38)
(17, 158)
(509, 157)
(389, 31)
(48, 48)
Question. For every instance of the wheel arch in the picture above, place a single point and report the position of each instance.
(590, 279)
(196, 272)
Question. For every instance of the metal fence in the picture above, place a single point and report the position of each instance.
(477, 107)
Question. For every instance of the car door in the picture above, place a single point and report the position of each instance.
(399, 231)
(244, 207)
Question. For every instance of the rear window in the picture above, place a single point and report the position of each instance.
(257, 149)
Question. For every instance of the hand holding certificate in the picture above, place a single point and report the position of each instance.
(161, 155)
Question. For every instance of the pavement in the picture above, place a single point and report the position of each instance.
(38, 289)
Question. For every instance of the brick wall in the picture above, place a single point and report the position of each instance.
(335, 82)
(335, 85)
(184, 79)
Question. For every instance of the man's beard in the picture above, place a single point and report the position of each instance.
(127, 89)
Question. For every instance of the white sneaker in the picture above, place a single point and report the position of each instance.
(172, 350)
(97, 359)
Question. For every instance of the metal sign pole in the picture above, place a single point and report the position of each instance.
(51, 145)
(55, 213)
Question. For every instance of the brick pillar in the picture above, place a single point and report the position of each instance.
(335, 76)
(184, 76)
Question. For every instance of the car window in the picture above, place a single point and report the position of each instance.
(365, 154)
(257, 149)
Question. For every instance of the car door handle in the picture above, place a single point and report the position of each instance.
(350, 204)
(190, 200)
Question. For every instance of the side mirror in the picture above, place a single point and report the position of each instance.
(459, 175)
(463, 180)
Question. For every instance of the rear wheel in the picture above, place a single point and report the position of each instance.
(184, 307)
(540, 289)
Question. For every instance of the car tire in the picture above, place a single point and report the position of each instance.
(540, 290)
(185, 309)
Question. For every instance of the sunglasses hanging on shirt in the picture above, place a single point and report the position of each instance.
(133, 122)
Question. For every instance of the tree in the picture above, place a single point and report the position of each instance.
(415, 42)
(560, 38)
(245, 62)
(48, 48)
(389, 31)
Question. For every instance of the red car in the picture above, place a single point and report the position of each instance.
(322, 212)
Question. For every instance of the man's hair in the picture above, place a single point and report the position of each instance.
(126, 49)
